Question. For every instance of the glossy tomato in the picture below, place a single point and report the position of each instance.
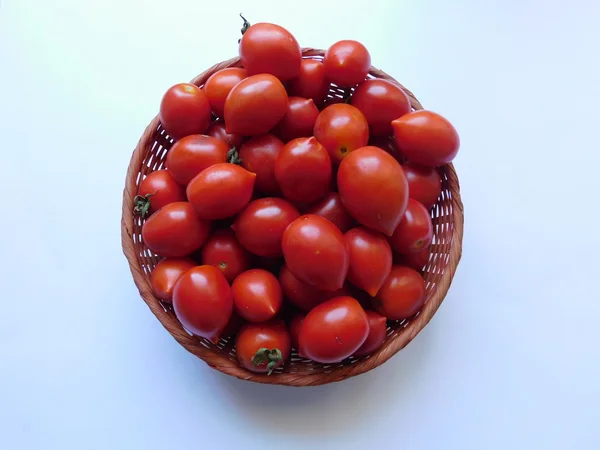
(262, 347)
(424, 183)
(192, 154)
(184, 110)
(217, 130)
(417, 260)
(426, 138)
(333, 330)
(341, 128)
(175, 230)
(299, 119)
(223, 251)
(166, 273)
(203, 302)
(370, 259)
(221, 191)
(157, 190)
(373, 188)
(219, 84)
(381, 101)
(310, 82)
(255, 105)
(332, 209)
(316, 252)
(257, 295)
(295, 325)
(402, 295)
(347, 63)
(258, 155)
(377, 334)
(415, 230)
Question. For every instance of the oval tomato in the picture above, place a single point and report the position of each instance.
(219, 84)
(157, 190)
(223, 251)
(166, 273)
(415, 230)
(380, 101)
(184, 110)
(424, 183)
(262, 347)
(299, 119)
(332, 209)
(257, 295)
(373, 188)
(217, 130)
(341, 128)
(175, 230)
(377, 334)
(258, 155)
(402, 295)
(316, 252)
(221, 191)
(333, 330)
(295, 325)
(417, 260)
(426, 138)
(370, 259)
(192, 154)
(203, 302)
(310, 82)
(347, 63)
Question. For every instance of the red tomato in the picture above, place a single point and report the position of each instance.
(257, 295)
(381, 101)
(299, 119)
(417, 260)
(217, 130)
(370, 259)
(165, 275)
(219, 84)
(415, 230)
(426, 138)
(260, 226)
(258, 155)
(262, 347)
(424, 184)
(347, 63)
(295, 325)
(269, 48)
(377, 334)
(373, 188)
(332, 209)
(402, 295)
(303, 170)
(341, 128)
(192, 154)
(233, 326)
(334, 330)
(184, 110)
(203, 302)
(310, 82)
(175, 231)
(223, 251)
(316, 252)
(387, 143)
(221, 191)
(157, 190)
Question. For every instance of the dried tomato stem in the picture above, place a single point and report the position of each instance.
(272, 357)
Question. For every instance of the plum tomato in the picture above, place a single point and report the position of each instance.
(417, 260)
(332, 209)
(258, 155)
(166, 273)
(310, 82)
(402, 295)
(184, 110)
(219, 84)
(257, 295)
(223, 251)
(377, 334)
(415, 230)
(346, 63)
(192, 154)
(217, 130)
(424, 183)
(262, 347)
(294, 327)
(370, 259)
(157, 190)
(299, 119)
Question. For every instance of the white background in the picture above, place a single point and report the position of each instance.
(512, 358)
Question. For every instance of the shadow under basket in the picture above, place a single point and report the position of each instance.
(446, 249)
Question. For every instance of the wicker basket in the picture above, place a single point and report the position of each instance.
(150, 155)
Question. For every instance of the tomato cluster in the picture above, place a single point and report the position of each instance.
(281, 220)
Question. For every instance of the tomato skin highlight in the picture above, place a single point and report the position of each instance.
(257, 295)
(160, 189)
(415, 230)
(184, 110)
(258, 155)
(219, 84)
(253, 337)
(310, 82)
(192, 154)
(346, 63)
(424, 184)
(217, 130)
(223, 251)
(166, 273)
(332, 209)
(299, 119)
(402, 295)
(377, 334)
(370, 259)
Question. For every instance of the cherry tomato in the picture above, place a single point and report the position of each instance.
(157, 190)
(424, 184)
(175, 230)
(310, 82)
(347, 63)
(165, 275)
(417, 260)
(303, 170)
(262, 347)
(402, 295)
(257, 295)
(316, 252)
(377, 334)
(299, 119)
(219, 84)
(334, 330)
(203, 302)
(341, 128)
(370, 259)
(415, 230)
(373, 188)
(221, 191)
(259, 227)
(258, 155)
(217, 130)
(192, 154)
(381, 101)
(223, 251)
(426, 138)
(269, 48)
(295, 325)
(184, 110)
(332, 209)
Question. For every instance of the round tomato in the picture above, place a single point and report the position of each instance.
(175, 230)
(303, 170)
(203, 302)
(377, 334)
(299, 119)
(316, 252)
(332, 209)
(373, 188)
(347, 63)
(257, 295)
(310, 82)
(223, 251)
(221, 191)
(219, 84)
(258, 155)
(424, 184)
(295, 325)
(333, 330)
(370, 259)
(165, 275)
(157, 190)
(341, 128)
(192, 154)
(415, 230)
(217, 130)
(426, 138)
(184, 110)
(262, 347)
(381, 101)
(402, 295)
(417, 260)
